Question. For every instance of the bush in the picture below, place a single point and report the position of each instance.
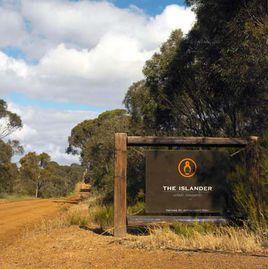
(103, 216)
(249, 192)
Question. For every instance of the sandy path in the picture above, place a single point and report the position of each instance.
(16, 215)
(74, 247)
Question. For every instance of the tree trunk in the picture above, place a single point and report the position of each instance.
(37, 190)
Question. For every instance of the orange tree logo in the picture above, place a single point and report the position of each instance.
(187, 167)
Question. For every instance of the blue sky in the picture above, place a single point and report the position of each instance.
(151, 7)
(24, 100)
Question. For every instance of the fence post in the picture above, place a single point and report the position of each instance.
(120, 185)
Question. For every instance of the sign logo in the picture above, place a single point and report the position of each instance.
(187, 167)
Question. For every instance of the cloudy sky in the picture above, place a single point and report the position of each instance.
(64, 61)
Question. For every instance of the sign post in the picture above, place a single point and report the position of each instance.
(120, 185)
(200, 196)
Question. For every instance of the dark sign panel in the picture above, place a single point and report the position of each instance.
(186, 181)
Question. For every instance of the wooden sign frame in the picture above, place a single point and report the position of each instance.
(122, 141)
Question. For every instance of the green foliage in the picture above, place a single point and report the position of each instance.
(37, 175)
(6, 152)
(212, 82)
(9, 122)
(8, 170)
(249, 194)
(142, 108)
(34, 171)
(148, 101)
(95, 139)
(8, 176)
(43, 178)
(188, 229)
(61, 180)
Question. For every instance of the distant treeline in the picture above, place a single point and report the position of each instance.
(35, 175)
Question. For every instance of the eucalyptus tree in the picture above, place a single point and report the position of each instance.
(33, 171)
(212, 81)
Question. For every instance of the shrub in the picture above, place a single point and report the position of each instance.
(103, 216)
(249, 191)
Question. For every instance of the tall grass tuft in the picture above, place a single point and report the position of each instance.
(76, 218)
(188, 229)
(77, 215)
(138, 208)
(199, 238)
(103, 216)
(99, 213)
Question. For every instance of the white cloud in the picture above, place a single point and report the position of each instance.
(10, 65)
(26, 133)
(171, 18)
(14, 75)
(11, 27)
(86, 52)
(47, 130)
(95, 49)
(83, 24)
(102, 74)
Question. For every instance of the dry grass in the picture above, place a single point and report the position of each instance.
(77, 215)
(224, 239)
(92, 213)
(99, 214)
(181, 236)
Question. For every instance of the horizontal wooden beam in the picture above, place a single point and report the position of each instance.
(137, 220)
(188, 141)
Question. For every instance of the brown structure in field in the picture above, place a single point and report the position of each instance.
(122, 141)
(84, 190)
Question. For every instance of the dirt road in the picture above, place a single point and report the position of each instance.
(74, 247)
(80, 248)
(16, 215)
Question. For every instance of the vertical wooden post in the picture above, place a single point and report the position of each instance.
(253, 169)
(120, 185)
